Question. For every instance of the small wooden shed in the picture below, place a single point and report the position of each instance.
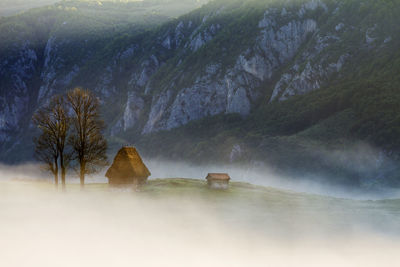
(127, 168)
(218, 180)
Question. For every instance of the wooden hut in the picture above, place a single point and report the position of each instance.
(218, 180)
(127, 168)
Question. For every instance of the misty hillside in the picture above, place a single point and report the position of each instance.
(294, 84)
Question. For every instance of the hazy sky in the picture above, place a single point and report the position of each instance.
(10, 7)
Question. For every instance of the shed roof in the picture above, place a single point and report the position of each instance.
(218, 176)
(127, 163)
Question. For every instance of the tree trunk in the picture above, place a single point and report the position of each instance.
(63, 179)
(56, 173)
(56, 178)
(82, 175)
(62, 172)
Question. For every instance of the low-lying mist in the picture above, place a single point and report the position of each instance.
(42, 227)
(360, 157)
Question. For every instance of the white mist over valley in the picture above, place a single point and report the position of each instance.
(190, 133)
(251, 227)
(182, 223)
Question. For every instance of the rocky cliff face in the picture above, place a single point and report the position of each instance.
(217, 89)
(165, 78)
(20, 68)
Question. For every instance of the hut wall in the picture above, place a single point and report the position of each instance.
(218, 184)
(127, 180)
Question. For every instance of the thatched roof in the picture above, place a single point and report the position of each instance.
(218, 176)
(127, 163)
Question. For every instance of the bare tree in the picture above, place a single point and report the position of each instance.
(87, 141)
(46, 151)
(54, 122)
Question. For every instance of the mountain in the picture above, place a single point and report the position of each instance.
(46, 50)
(307, 87)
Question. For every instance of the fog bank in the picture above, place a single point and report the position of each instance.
(39, 227)
(258, 175)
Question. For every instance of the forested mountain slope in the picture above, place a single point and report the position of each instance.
(303, 76)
